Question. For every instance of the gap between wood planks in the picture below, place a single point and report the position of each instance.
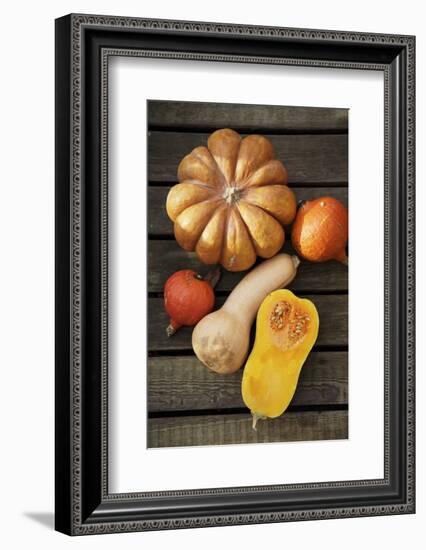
(294, 186)
(189, 352)
(245, 410)
(305, 292)
(246, 131)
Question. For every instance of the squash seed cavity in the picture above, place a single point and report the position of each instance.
(289, 324)
(280, 315)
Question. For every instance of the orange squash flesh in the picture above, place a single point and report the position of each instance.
(286, 330)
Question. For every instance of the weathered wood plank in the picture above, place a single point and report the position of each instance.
(183, 383)
(160, 224)
(332, 310)
(310, 159)
(236, 428)
(166, 257)
(248, 118)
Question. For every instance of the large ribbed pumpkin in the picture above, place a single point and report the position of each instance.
(232, 201)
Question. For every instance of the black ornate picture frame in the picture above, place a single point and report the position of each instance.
(84, 43)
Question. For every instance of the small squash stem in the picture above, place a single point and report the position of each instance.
(296, 261)
(256, 417)
(172, 328)
(343, 258)
(213, 276)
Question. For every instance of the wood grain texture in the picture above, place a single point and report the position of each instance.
(159, 224)
(183, 383)
(166, 257)
(237, 428)
(188, 404)
(310, 159)
(186, 115)
(332, 310)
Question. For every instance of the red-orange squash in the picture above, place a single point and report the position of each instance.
(187, 299)
(232, 201)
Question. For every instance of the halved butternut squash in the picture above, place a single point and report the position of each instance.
(286, 330)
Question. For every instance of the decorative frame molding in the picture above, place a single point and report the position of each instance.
(84, 43)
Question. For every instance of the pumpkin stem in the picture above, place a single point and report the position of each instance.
(172, 328)
(213, 276)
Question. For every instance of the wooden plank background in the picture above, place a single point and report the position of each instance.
(189, 115)
(187, 403)
(332, 311)
(236, 428)
(165, 257)
(183, 383)
(327, 154)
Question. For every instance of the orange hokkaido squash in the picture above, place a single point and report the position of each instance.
(232, 201)
(320, 230)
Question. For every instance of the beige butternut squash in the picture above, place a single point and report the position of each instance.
(221, 339)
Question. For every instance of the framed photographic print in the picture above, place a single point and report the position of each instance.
(244, 219)
(219, 360)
